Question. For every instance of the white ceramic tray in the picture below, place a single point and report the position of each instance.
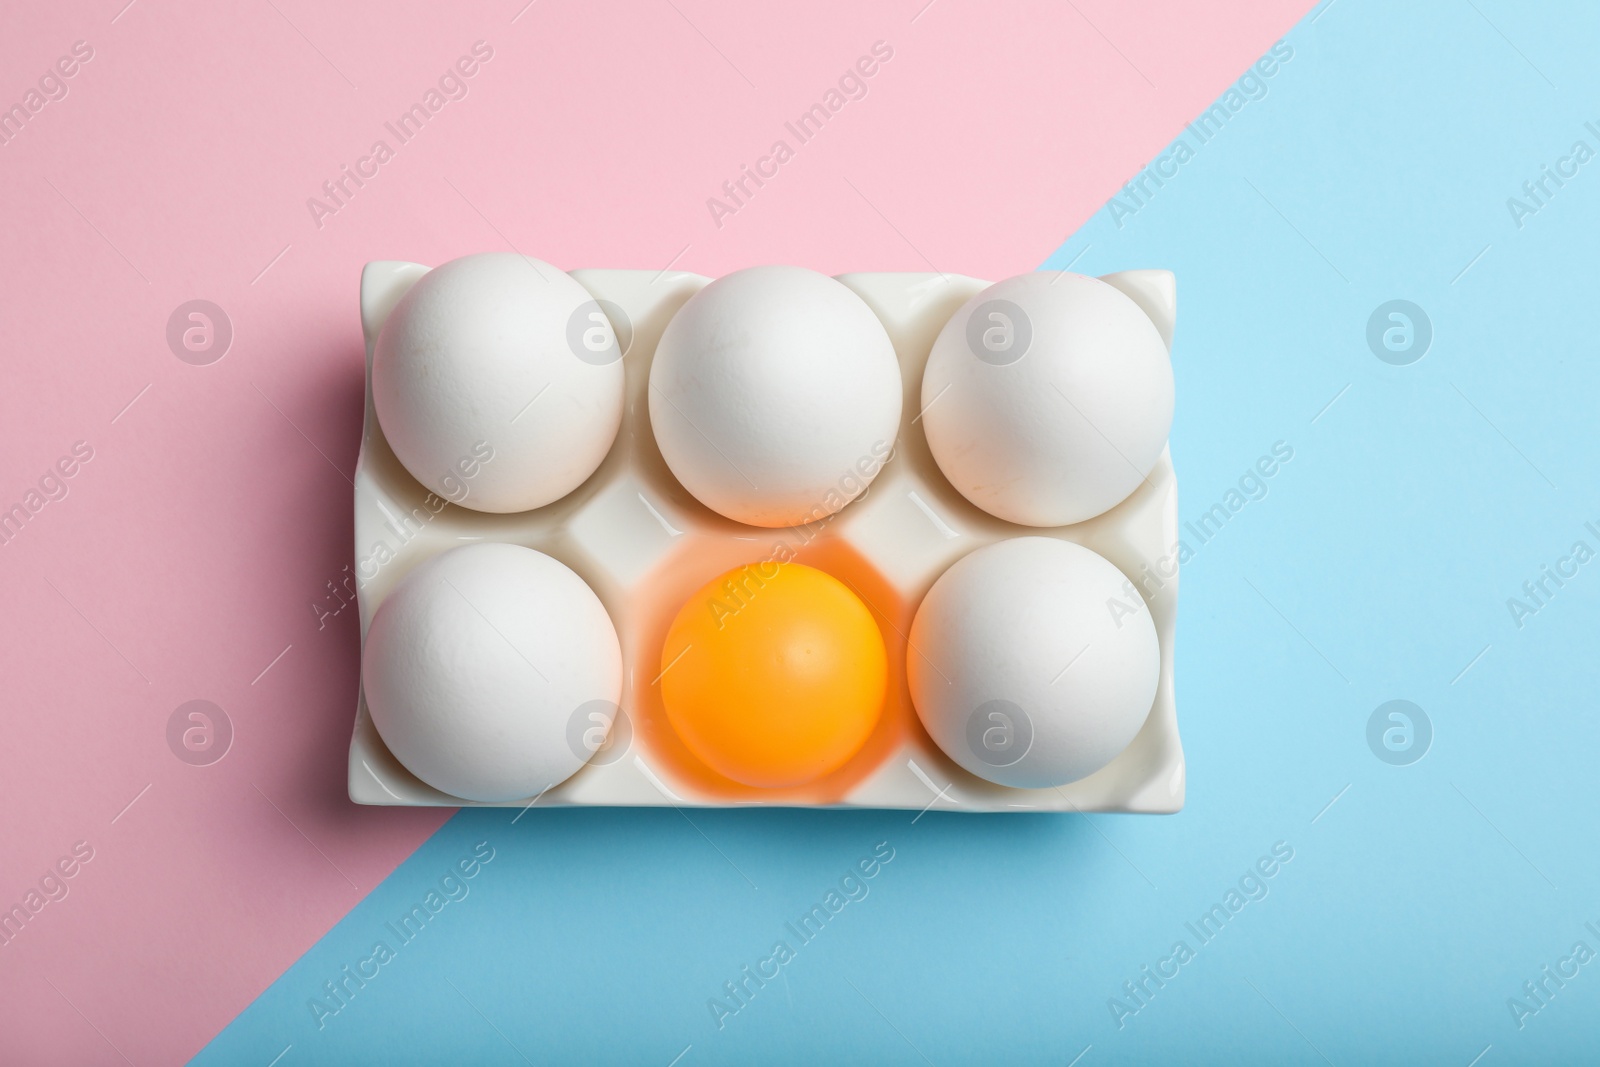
(644, 544)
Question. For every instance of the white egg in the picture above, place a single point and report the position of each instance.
(1047, 398)
(1021, 669)
(775, 396)
(487, 387)
(482, 667)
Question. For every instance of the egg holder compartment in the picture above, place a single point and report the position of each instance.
(644, 545)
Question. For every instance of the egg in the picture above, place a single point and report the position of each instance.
(775, 396)
(483, 664)
(1033, 662)
(1047, 398)
(774, 674)
(498, 382)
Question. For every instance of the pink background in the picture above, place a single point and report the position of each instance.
(190, 549)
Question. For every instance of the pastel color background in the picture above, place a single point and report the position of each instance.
(188, 557)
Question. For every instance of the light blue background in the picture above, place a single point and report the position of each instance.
(1378, 567)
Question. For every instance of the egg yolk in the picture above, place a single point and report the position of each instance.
(774, 674)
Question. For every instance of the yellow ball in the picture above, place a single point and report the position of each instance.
(774, 674)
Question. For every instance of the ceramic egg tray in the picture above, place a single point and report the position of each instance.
(644, 545)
